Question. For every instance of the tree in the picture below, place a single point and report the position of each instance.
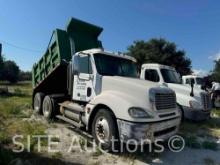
(25, 76)
(10, 71)
(160, 51)
(216, 71)
(1, 67)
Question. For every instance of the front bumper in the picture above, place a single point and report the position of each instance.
(196, 115)
(148, 131)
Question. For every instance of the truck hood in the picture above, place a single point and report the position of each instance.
(183, 88)
(132, 89)
(129, 83)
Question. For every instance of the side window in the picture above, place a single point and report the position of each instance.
(85, 65)
(187, 81)
(152, 75)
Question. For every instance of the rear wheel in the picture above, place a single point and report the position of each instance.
(104, 130)
(38, 101)
(48, 107)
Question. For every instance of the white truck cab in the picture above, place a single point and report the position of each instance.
(105, 80)
(198, 80)
(194, 103)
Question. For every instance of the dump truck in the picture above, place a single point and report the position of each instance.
(98, 91)
(194, 103)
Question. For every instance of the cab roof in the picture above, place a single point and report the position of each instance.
(192, 76)
(109, 53)
(156, 65)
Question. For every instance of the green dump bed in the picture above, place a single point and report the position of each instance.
(51, 70)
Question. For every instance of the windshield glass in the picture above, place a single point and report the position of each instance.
(199, 81)
(114, 66)
(170, 76)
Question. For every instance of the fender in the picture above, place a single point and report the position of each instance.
(117, 102)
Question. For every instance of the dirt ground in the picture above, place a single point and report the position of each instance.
(68, 136)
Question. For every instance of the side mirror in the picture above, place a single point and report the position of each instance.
(75, 65)
(192, 82)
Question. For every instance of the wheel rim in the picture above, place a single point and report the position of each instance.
(102, 129)
(36, 104)
(46, 108)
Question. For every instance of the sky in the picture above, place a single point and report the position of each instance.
(26, 26)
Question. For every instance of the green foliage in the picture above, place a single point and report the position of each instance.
(216, 71)
(25, 76)
(210, 145)
(192, 142)
(10, 71)
(160, 51)
(1, 66)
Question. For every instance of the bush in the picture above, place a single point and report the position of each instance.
(10, 71)
(25, 76)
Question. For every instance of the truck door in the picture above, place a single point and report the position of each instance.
(83, 89)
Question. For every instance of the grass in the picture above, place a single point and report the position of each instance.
(197, 133)
(209, 161)
(192, 142)
(97, 153)
(57, 155)
(14, 106)
(204, 128)
(216, 112)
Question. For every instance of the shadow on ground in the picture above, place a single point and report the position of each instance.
(7, 156)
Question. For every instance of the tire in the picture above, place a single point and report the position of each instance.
(181, 112)
(48, 108)
(37, 102)
(104, 124)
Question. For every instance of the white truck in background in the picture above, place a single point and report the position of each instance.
(198, 80)
(194, 103)
(200, 84)
(79, 82)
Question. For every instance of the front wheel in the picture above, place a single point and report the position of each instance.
(104, 130)
(181, 112)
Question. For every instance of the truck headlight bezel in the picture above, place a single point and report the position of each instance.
(195, 104)
(136, 112)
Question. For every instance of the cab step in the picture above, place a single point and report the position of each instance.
(76, 124)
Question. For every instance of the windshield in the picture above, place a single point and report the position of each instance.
(199, 81)
(170, 76)
(114, 66)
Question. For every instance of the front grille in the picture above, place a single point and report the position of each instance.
(165, 101)
(206, 101)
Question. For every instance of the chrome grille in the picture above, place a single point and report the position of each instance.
(206, 101)
(165, 101)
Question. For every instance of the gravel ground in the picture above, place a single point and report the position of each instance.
(67, 137)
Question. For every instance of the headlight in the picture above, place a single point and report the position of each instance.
(139, 113)
(195, 104)
(152, 95)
